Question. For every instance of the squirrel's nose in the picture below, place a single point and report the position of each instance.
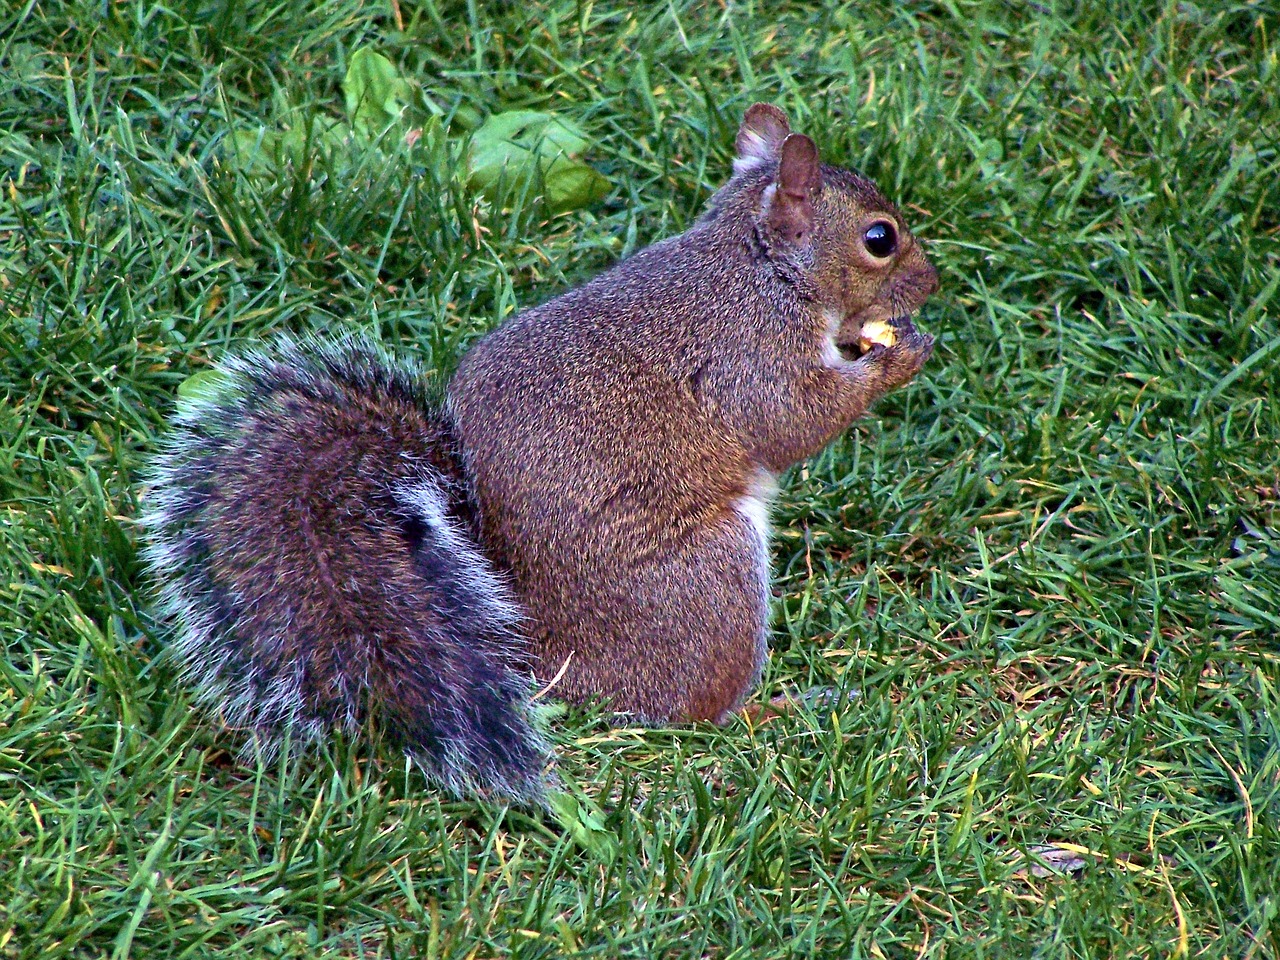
(928, 279)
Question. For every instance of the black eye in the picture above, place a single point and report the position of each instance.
(881, 240)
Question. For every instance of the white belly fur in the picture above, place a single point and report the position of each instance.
(753, 507)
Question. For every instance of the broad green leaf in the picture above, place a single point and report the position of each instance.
(377, 100)
(549, 133)
(377, 96)
(255, 151)
(204, 385)
(571, 185)
(512, 147)
(264, 151)
(582, 818)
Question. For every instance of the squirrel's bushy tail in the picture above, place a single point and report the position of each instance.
(311, 535)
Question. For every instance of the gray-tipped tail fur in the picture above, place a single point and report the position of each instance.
(312, 539)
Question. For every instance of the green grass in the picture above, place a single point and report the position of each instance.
(1051, 567)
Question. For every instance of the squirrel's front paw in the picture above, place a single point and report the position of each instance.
(897, 362)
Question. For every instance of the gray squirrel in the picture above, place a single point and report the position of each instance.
(588, 502)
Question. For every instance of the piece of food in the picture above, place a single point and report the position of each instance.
(876, 331)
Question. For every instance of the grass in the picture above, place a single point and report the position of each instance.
(1051, 567)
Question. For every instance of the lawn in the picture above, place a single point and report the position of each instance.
(1050, 568)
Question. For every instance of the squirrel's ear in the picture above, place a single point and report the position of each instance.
(789, 202)
(763, 129)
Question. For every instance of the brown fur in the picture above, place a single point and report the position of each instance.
(612, 433)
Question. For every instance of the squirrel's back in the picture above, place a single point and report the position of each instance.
(312, 536)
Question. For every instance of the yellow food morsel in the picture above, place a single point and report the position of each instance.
(876, 331)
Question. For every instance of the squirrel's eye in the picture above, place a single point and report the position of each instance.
(881, 240)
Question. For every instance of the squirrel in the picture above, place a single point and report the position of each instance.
(587, 502)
